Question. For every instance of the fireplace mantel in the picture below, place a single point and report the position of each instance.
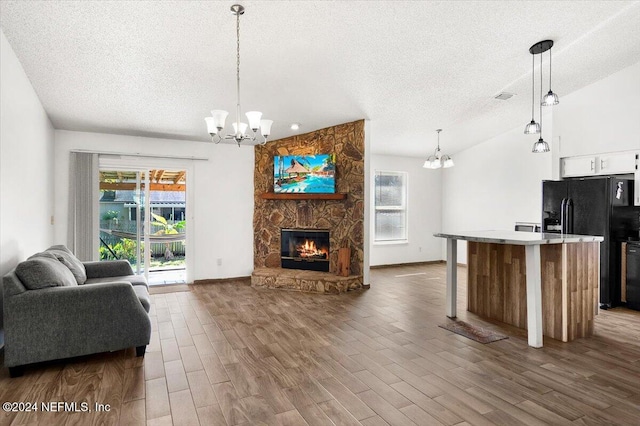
(294, 196)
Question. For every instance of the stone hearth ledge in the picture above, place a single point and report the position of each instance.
(306, 281)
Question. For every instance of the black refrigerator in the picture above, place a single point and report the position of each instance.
(594, 206)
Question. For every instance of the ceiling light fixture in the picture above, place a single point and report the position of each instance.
(533, 127)
(215, 123)
(438, 160)
(550, 98)
(295, 126)
(538, 49)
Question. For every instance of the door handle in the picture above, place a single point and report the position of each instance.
(602, 164)
(593, 165)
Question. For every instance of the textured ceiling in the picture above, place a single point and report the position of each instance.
(157, 68)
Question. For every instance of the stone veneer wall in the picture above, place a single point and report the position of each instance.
(343, 218)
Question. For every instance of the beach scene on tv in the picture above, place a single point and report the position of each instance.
(305, 173)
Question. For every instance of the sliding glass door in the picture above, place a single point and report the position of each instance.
(143, 220)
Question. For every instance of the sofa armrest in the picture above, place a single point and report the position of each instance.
(61, 322)
(108, 268)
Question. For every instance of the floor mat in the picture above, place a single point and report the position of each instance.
(473, 332)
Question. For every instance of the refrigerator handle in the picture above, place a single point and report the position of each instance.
(569, 214)
(563, 217)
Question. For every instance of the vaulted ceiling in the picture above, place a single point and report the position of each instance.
(156, 68)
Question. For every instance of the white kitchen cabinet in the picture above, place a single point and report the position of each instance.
(616, 163)
(619, 163)
(578, 166)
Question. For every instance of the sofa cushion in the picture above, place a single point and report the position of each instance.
(44, 271)
(135, 280)
(67, 258)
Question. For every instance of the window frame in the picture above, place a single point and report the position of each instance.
(404, 207)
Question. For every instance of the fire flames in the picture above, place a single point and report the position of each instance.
(308, 249)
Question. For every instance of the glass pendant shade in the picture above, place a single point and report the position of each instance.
(254, 120)
(243, 128)
(265, 127)
(432, 163)
(446, 161)
(219, 116)
(211, 126)
(540, 146)
(550, 99)
(532, 128)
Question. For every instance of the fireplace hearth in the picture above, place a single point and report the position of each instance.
(306, 249)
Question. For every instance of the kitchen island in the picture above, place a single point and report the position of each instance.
(545, 283)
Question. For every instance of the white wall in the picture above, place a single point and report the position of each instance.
(222, 214)
(26, 166)
(424, 210)
(602, 117)
(495, 184)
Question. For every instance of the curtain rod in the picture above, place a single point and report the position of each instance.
(137, 154)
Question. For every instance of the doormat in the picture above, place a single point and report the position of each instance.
(473, 332)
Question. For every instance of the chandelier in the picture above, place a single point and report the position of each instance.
(548, 100)
(438, 159)
(215, 123)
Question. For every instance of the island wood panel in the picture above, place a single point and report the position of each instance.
(496, 282)
(569, 274)
(583, 260)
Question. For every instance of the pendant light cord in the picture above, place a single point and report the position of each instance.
(541, 96)
(533, 85)
(549, 69)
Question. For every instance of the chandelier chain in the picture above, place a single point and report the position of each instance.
(238, 71)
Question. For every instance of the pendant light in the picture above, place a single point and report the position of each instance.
(540, 146)
(538, 49)
(550, 98)
(438, 159)
(533, 127)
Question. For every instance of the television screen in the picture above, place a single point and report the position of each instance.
(305, 173)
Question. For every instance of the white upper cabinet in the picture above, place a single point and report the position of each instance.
(616, 163)
(611, 164)
(578, 166)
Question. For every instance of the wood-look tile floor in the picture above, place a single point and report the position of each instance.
(226, 354)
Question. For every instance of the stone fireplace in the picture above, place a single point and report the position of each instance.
(306, 249)
(343, 217)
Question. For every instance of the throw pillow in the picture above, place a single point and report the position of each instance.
(44, 271)
(67, 258)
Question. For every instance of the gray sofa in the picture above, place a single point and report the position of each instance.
(58, 307)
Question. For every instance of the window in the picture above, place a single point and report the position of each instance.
(390, 206)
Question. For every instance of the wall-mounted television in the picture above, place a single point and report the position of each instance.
(305, 174)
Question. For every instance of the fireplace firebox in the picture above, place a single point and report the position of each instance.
(305, 249)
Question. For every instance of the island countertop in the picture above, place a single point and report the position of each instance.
(519, 237)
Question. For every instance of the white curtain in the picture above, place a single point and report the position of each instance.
(83, 230)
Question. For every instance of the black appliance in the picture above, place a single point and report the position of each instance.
(594, 206)
(633, 275)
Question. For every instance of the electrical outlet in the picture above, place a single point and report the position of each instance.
(219, 261)
(52, 219)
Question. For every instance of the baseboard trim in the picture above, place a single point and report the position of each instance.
(222, 280)
(394, 265)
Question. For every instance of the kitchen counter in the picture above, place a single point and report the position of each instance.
(519, 238)
(546, 283)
